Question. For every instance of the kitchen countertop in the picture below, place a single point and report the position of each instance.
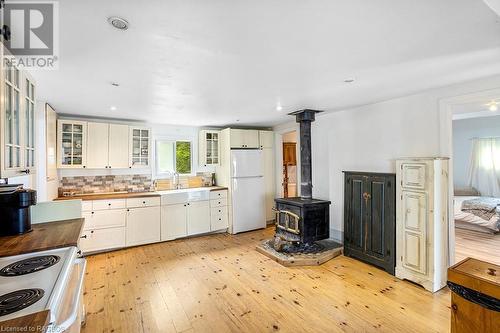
(45, 236)
(104, 196)
(35, 322)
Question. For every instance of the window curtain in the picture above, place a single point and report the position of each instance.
(484, 169)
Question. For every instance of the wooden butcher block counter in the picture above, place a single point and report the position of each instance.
(45, 236)
(475, 298)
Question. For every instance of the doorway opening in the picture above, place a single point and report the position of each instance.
(476, 179)
(289, 167)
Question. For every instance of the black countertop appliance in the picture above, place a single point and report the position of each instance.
(15, 216)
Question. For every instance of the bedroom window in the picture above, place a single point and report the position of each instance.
(173, 156)
(484, 171)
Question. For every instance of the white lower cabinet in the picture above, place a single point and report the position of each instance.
(105, 218)
(173, 221)
(198, 217)
(186, 219)
(219, 218)
(111, 224)
(102, 239)
(143, 225)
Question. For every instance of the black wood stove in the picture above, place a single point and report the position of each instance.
(300, 221)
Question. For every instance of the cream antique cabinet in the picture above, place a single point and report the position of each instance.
(17, 121)
(422, 221)
(209, 147)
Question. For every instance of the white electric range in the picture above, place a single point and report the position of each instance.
(46, 280)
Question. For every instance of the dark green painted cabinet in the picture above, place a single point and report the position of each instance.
(369, 218)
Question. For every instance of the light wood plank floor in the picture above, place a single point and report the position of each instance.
(477, 245)
(219, 283)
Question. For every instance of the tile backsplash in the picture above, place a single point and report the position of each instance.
(105, 184)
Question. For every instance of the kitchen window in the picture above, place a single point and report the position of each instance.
(173, 156)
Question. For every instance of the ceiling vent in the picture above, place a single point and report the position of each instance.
(118, 22)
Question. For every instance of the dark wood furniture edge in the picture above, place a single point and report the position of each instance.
(34, 322)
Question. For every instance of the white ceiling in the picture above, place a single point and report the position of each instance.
(223, 62)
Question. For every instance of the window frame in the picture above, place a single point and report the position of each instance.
(158, 174)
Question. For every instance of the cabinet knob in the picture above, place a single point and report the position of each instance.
(92, 213)
(144, 202)
(84, 166)
(92, 231)
(220, 219)
(109, 204)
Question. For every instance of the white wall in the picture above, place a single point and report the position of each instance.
(463, 131)
(371, 137)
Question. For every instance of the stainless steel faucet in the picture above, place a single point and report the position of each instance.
(176, 181)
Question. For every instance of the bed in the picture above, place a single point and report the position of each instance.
(469, 221)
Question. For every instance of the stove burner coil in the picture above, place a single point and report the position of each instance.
(18, 300)
(29, 265)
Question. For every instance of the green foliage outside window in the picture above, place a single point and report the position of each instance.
(183, 157)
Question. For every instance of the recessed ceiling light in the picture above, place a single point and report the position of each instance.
(349, 80)
(113, 108)
(118, 22)
(279, 107)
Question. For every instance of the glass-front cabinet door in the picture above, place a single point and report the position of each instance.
(17, 120)
(140, 144)
(29, 124)
(72, 144)
(12, 120)
(209, 147)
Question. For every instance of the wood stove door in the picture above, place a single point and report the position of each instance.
(370, 218)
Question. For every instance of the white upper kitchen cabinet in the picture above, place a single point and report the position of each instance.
(118, 146)
(71, 144)
(140, 147)
(266, 139)
(17, 122)
(209, 147)
(244, 138)
(97, 145)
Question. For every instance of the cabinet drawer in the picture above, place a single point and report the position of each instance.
(218, 194)
(104, 219)
(143, 202)
(102, 239)
(218, 202)
(86, 206)
(108, 204)
(218, 218)
(413, 175)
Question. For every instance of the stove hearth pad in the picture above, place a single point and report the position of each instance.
(301, 254)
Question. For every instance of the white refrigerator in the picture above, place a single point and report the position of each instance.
(247, 188)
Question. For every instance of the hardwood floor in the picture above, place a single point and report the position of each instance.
(477, 245)
(219, 283)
